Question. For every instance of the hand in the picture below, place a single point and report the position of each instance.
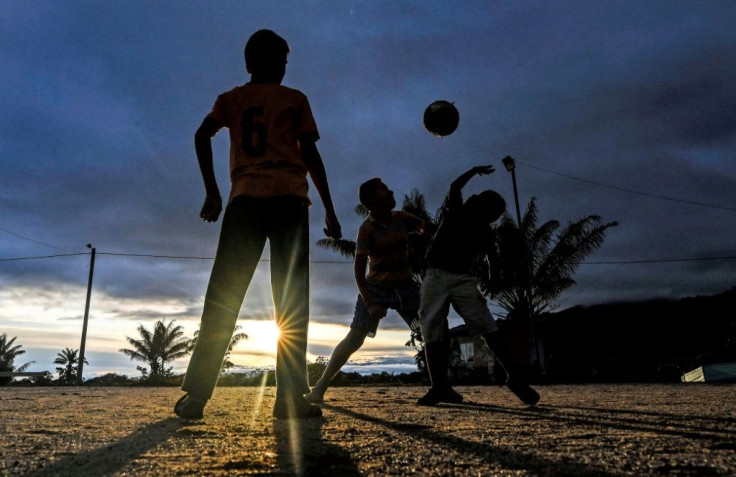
(483, 170)
(333, 228)
(376, 311)
(211, 209)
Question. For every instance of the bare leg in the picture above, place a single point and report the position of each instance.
(349, 345)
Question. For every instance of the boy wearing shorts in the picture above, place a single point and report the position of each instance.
(462, 235)
(381, 250)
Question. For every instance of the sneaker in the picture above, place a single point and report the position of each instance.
(526, 394)
(435, 396)
(295, 407)
(188, 407)
(315, 397)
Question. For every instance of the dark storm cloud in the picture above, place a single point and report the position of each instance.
(100, 105)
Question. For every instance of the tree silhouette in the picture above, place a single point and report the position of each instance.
(69, 362)
(531, 266)
(226, 363)
(8, 353)
(165, 344)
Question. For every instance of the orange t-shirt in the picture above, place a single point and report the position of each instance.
(387, 247)
(265, 123)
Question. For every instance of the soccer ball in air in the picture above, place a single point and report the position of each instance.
(441, 118)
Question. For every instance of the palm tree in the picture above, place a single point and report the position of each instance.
(8, 353)
(156, 349)
(69, 365)
(226, 363)
(530, 267)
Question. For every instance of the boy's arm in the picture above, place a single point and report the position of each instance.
(459, 183)
(360, 266)
(317, 172)
(203, 146)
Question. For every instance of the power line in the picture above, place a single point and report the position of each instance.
(345, 262)
(184, 257)
(665, 260)
(146, 255)
(42, 256)
(625, 189)
(32, 240)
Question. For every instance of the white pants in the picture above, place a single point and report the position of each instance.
(440, 289)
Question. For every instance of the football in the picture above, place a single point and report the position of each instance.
(441, 118)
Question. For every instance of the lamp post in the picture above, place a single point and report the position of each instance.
(510, 165)
(536, 345)
(80, 367)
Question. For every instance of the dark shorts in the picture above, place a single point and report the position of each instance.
(404, 299)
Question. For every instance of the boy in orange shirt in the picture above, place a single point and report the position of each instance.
(272, 150)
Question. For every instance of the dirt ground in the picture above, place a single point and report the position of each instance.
(596, 430)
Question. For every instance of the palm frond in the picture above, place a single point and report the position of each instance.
(344, 247)
(362, 210)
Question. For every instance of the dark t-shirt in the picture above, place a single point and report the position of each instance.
(459, 239)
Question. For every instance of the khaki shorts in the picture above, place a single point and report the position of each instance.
(440, 289)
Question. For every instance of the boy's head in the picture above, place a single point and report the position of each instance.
(265, 55)
(488, 206)
(374, 194)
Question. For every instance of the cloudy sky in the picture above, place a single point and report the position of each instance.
(618, 109)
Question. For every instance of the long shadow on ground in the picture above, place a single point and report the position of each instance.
(111, 458)
(503, 456)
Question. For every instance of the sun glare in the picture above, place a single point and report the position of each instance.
(262, 338)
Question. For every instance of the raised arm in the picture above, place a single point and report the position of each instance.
(459, 183)
(317, 172)
(203, 146)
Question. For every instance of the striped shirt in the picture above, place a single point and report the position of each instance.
(387, 248)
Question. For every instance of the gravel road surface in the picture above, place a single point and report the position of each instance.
(589, 430)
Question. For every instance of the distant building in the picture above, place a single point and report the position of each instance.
(470, 359)
(472, 362)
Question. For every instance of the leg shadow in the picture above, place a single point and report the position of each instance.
(301, 450)
(110, 459)
(510, 459)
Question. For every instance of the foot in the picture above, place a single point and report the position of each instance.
(435, 396)
(188, 407)
(526, 394)
(295, 407)
(315, 396)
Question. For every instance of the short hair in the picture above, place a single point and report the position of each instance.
(263, 50)
(494, 203)
(366, 191)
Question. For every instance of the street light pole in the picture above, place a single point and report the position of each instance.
(80, 367)
(510, 165)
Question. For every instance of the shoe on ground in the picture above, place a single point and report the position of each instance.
(295, 408)
(188, 407)
(315, 397)
(524, 392)
(435, 396)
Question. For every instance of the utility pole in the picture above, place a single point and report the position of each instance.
(510, 165)
(80, 367)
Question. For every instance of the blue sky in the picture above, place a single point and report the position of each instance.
(620, 109)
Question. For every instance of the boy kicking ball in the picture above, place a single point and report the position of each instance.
(462, 235)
